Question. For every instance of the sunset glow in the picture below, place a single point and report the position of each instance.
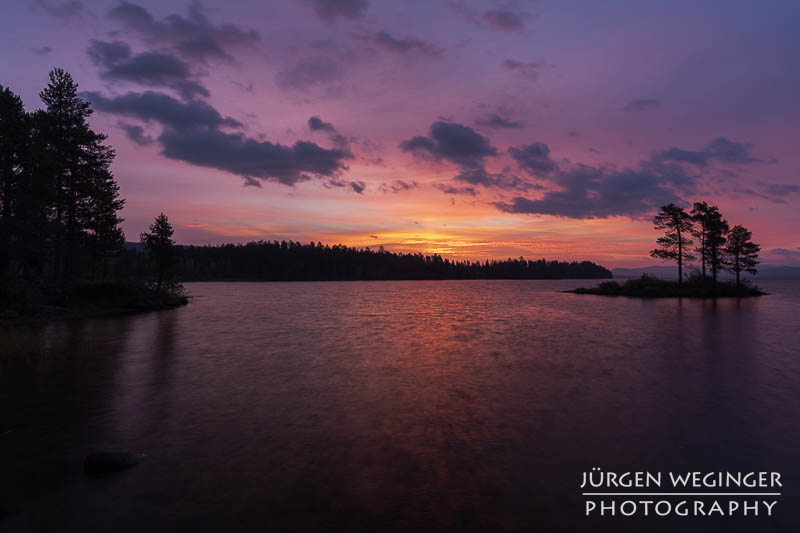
(465, 129)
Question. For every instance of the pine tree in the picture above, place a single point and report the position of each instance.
(699, 215)
(14, 140)
(104, 237)
(674, 245)
(716, 233)
(740, 253)
(79, 163)
(711, 229)
(160, 248)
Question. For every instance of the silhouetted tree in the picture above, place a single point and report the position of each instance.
(674, 245)
(160, 248)
(740, 253)
(14, 140)
(699, 215)
(79, 163)
(712, 229)
(716, 233)
(104, 236)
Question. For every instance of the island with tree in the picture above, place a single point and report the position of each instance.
(719, 248)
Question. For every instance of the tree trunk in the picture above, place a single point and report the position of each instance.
(59, 244)
(737, 268)
(680, 258)
(703, 249)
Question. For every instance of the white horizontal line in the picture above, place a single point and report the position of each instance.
(681, 493)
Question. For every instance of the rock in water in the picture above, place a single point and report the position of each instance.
(104, 464)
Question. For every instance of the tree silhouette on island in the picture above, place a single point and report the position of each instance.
(720, 248)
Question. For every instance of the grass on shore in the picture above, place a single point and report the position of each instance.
(694, 287)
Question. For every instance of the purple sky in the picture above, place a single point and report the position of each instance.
(471, 129)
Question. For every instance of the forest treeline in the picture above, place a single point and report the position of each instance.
(295, 261)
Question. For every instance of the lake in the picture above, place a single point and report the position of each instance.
(394, 406)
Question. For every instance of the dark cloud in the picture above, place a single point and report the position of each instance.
(779, 189)
(398, 186)
(64, 10)
(195, 37)
(503, 20)
(495, 120)
(42, 51)
(136, 134)
(534, 158)
(501, 180)
(357, 186)
(500, 19)
(584, 191)
(529, 70)
(404, 46)
(468, 149)
(453, 142)
(252, 159)
(720, 149)
(597, 192)
(162, 108)
(309, 72)
(637, 106)
(418, 144)
(772, 192)
(330, 10)
(152, 69)
(108, 53)
(192, 133)
(317, 124)
(449, 189)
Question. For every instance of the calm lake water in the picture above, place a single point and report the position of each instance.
(394, 406)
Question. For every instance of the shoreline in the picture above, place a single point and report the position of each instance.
(49, 314)
(648, 287)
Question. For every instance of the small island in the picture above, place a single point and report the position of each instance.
(720, 248)
(650, 287)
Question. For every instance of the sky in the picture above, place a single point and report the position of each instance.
(474, 130)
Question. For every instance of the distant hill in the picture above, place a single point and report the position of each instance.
(671, 272)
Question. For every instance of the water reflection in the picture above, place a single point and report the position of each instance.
(392, 405)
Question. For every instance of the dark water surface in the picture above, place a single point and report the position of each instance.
(392, 406)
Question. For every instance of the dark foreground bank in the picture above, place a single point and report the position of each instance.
(29, 303)
(649, 287)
